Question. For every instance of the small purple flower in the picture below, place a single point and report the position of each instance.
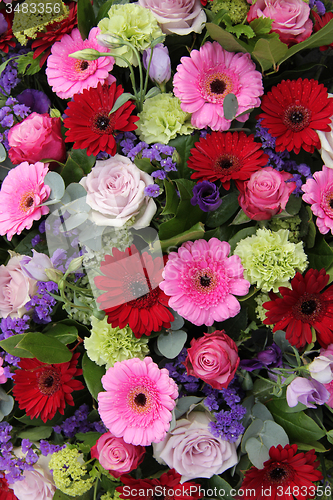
(153, 190)
(307, 392)
(159, 174)
(206, 195)
(36, 100)
(3, 24)
(160, 66)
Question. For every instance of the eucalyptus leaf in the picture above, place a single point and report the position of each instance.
(252, 431)
(230, 106)
(74, 221)
(178, 321)
(184, 404)
(3, 152)
(258, 453)
(75, 191)
(170, 344)
(56, 183)
(273, 434)
(261, 411)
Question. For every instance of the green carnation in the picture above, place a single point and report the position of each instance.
(270, 260)
(134, 24)
(106, 345)
(237, 9)
(162, 119)
(69, 472)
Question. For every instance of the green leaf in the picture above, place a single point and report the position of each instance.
(227, 40)
(184, 404)
(298, 426)
(145, 165)
(78, 165)
(57, 185)
(241, 218)
(311, 233)
(223, 488)
(3, 152)
(195, 232)
(294, 205)
(170, 344)
(268, 52)
(233, 326)
(36, 433)
(45, 349)
(122, 99)
(262, 390)
(323, 37)
(183, 145)
(230, 106)
(318, 447)
(27, 60)
(85, 17)
(172, 200)
(252, 431)
(225, 211)
(320, 255)
(88, 438)
(237, 29)
(261, 25)
(103, 10)
(9, 345)
(64, 333)
(4, 64)
(92, 374)
(243, 233)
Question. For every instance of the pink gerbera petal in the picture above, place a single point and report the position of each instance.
(138, 403)
(318, 192)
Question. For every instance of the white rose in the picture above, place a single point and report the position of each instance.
(115, 192)
(193, 451)
(321, 369)
(37, 484)
(177, 16)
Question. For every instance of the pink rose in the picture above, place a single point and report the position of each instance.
(192, 450)
(37, 137)
(115, 192)
(117, 456)
(213, 358)
(290, 18)
(16, 289)
(266, 193)
(177, 16)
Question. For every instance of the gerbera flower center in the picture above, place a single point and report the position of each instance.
(147, 300)
(27, 202)
(309, 308)
(279, 473)
(81, 65)
(327, 201)
(48, 381)
(102, 123)
(226, 164)
(141, 397)
(215, 85)
(297, 117)
(204, 280)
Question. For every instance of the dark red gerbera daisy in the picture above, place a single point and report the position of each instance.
(320, 22)
(285, 476)
(167, 487)
(42, 390)
(90, 123)
(293, 111)
(132, 295)
(304, 306)
(6, 493)
(226, 155)
(54, 33)
(7, 38)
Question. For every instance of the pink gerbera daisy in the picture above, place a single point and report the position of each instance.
(138, 401)
(204, 79)
(201, 280)
(319, 193)
(68, 76)
(22, 193)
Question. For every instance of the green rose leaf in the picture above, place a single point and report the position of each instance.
(46, 349)
(10, 346)
(92, 374)
(64, 333)
(226, 210)
(294, 204)
(227, 40)
(78, 165)
(268, 52)
(36, 433)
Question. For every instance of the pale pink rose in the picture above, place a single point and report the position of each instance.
(116, 456)
(290, 18)
(37, 137)
(177, 16)
(213, 358)
(115, 192)
(37, 484)
(192, 450)
(16, 289)
(266, 193)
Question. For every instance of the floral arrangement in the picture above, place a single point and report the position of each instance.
(166, 274)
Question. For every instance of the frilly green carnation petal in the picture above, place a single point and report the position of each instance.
(270, 259)
(106, 345)
(237, 9)
(162, 119)
(69, 472)
(133, 24)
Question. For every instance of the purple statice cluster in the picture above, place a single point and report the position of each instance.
(159, 154)
(12, 466)
(38, 239)
(8, 328)
(42, 302)
(79, 423)
(228, 423)
(47, 448)
(318, 5)
(177, 371)
(282, 161)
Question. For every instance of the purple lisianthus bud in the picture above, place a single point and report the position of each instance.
(307, 392)
(206, 195)
(271, 356)
(160, 66)
(250, 364)
(34, 267)
(36, 100)
(3, 24)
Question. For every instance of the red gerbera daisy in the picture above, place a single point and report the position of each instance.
(285, 476)
(7, 38)
(167, 486)
(320, 22)
(303, 307)
(226, 155)
(6, 493)
(41, 389)
(54, 33)
(293, 111)
(132, 295)
(90, 123)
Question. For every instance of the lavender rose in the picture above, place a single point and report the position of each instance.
(37, 483)
(206, 195)
(192, 450)
(115, 192)
(177, 16)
